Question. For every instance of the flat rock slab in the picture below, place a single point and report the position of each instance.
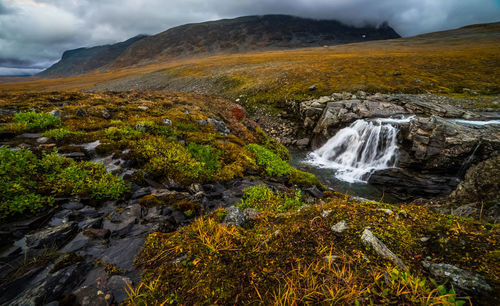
(367, 238)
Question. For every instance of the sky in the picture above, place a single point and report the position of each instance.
(35, 33)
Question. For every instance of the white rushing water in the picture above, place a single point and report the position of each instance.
(355, 152)
(477, 123)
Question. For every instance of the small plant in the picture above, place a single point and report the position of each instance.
(207, 155)
(58, 134)
(263, 198)
(122, 133)
(272, 164)
(32, 122)
(272, 145)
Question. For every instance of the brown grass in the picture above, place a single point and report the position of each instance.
(438, 63)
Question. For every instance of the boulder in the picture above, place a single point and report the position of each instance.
(55, 236)
(234, 216)
(219, 125)
(461, 279)
(368, 239)
(339, 227)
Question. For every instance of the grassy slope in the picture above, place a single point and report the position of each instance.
(443, 62)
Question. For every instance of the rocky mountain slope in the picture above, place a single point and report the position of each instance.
(82, 60)
(244, 34)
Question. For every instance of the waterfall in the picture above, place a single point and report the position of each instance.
(355, 152)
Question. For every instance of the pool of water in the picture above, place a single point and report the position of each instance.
(327, 177)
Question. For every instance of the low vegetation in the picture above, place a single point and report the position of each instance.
(28, 184)
(295, 258)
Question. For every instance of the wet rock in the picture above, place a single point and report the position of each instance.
(76, 244)
(56, 113)
(219, 125)
(368, 239)
(408, 185)
(42, 140)
(52, 287)
(465, 211)
(95, 233)
(72, 205)
(6, 135)
(315, 192)
(302, 143)
(118, 285)
(461, 279)
(122, 252)
(234, 216)
(90, 296)
(481, 184)
(76, 156)
(55, 236)
(340, 227)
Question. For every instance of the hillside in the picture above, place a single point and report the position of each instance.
(82, 60)
(443, 62)
(244, 34)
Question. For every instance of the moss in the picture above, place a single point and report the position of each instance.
(271, 163)
(272, 145)
(150, 200)
(301, 178)
(264, 199)
(34, 122)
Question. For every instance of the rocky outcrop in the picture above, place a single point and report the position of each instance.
(481, 184)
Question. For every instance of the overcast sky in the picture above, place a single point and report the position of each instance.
(34, 33)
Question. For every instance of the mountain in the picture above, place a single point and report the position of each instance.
(82, 60)
(251, 33)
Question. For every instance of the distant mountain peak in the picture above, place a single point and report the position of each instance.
(242, 34)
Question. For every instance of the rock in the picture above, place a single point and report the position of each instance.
(142, 107)
(481, 184)
(7, 135)
(94, 233)
(202, 122)
(76, 155)
(167, 121)
(330, 258)
(81, 113)
(55, 236)
(312, 88)
(386, 211)
(42, 140)
(52, 287)
(302, 143)
(118, 285)
(78, 243)
(56, 113)
(465, 211)
(250, 214)
(326, 213)
(122, 252)
(340, 227)
(314, 192)
(368, 239)
(90, 296)
(72, 205)
(461, 279)
(234, 216)
(219, 125)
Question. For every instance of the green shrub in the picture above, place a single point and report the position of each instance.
(207, 155)
(28, 183)
(122, 133)
(301, 178)
(160, 157)
(31, 121)
(272, 163)
(272, 145)
(58, 134)
(263, 198)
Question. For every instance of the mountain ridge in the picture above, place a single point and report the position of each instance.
(242, 34)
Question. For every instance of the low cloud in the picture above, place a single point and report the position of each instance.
(34, 33)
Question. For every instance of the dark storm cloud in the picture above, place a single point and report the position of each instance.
(34, 33)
